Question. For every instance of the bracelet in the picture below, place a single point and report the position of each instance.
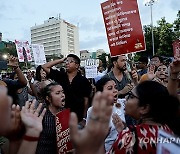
(30, 138)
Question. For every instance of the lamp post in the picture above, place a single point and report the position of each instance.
(150, 3)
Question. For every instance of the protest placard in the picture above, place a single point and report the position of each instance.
(91, 68)
(63, 132)
(123, 26)
(23, 51)
(39, 54)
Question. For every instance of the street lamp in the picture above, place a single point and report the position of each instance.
(150, 3)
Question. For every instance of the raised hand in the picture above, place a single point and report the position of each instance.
(134, 75)
(91, 138)
(32, 119)
(63, 59)
(151, 72)
(13, 62)
(118, 123)
(175, 68)
(126, 89)
(16, 128)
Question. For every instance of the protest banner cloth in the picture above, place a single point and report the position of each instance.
(39, 54)
(23, 51)
(167, 143)
(123, 26)
(91, 68)
(64, 144)
(176, 48)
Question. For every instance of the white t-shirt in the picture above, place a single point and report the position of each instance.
(113, 132)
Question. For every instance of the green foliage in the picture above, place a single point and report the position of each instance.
(176, 26)
(10, 51)
(164, 35)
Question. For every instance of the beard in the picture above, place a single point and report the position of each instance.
(122, 69)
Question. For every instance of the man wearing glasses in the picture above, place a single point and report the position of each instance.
(76, 87)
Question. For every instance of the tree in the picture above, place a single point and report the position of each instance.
(10, 51)
(166, 37)
(176, 26)
(148, 38)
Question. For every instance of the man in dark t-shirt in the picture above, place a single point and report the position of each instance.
(76, 87)
(121, 76)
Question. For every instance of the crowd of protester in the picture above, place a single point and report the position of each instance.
(120, 101)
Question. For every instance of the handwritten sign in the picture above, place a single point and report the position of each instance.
(91, 68)
(176, 48)
(39, 54)
(23, 51)
(123, 26)
(63, 132)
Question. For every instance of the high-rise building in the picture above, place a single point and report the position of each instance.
(58, 37)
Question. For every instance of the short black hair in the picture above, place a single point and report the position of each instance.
(160, 58)
(114, 59)
(163, 107)
(47, 90)
(76, 58)
(143, 60)
(100, 83)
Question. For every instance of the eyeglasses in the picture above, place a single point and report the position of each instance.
(70, 61)
(131, 95)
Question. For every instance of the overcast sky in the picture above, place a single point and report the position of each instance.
(17, 16)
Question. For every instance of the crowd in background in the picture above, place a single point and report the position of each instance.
(124, 99)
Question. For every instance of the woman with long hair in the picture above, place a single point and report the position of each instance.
(106, 84)
(149, 103)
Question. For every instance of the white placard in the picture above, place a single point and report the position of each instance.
(167, 143)
(91, 68)
(39, 54)
(23, 51)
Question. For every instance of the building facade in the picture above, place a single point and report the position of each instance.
(58, 37)
(85, 54)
